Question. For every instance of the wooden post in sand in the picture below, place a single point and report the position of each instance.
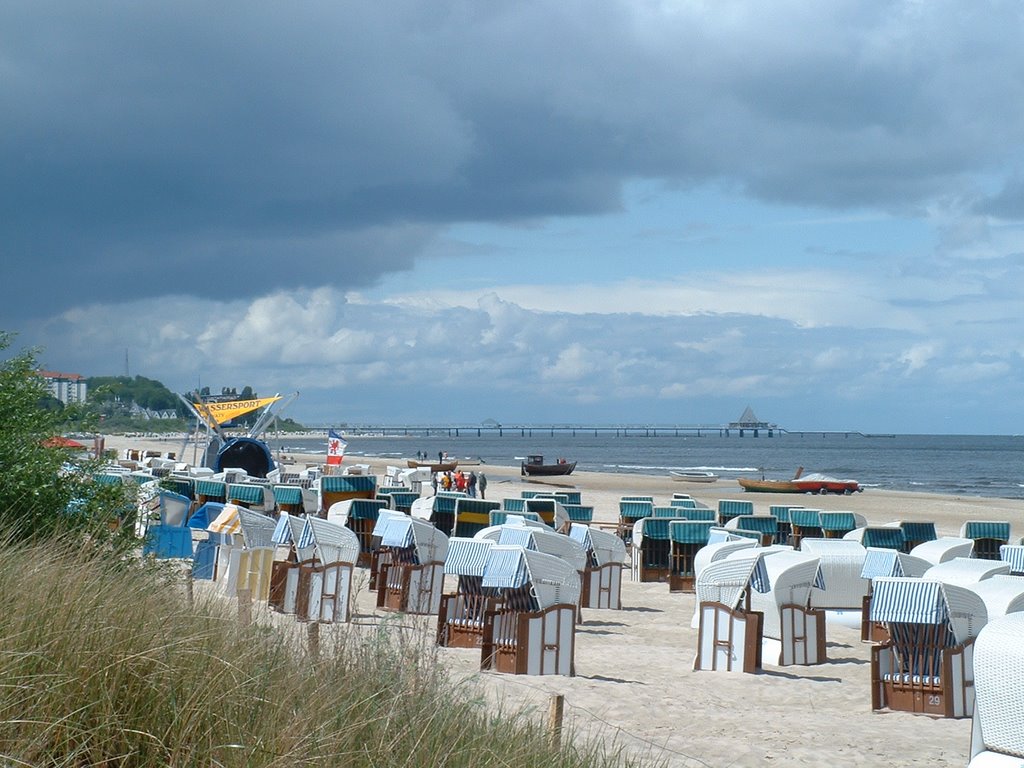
(244, 607)
(313, 637)
(555, 719)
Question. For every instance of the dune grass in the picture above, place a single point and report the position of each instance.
(111, 666)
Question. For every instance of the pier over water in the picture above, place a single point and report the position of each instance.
(572, 430)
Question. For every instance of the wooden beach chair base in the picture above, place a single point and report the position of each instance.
(602, 587)
(950, 694)
(409, 588)
(728, 639)
(803, 636)
(460, 620)
(323, 592)
(534, 643)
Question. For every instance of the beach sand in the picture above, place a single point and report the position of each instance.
(635, 687)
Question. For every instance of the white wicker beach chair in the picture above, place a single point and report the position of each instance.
(730, 634)
(602, 578)
(926, 666)
(885, 562)
(532, 631)
(460, 619)
(325, 582)
(943, 548)
(1002, 594)
(841, 562)
(798, 629)
(965, 571)
(410, 564)
(997, 730)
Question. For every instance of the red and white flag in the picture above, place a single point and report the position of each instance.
(335, 447)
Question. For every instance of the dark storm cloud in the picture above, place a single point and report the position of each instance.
(327, 142)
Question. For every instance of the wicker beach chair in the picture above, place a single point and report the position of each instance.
(988, 535)
(551, 511)
(730, 508)
(939, 550)
(841, 563)
(168, 537)
(793, 631)
(325, 582)
(472, 515)
(460, 618)
(1001, 594)
(631, 510)
(997, 730)
(782, 513)
(532, 631)
(650, 550)
(926, 666)
(411, 557)
(916, 533)
(804, 523)
(602, 578)
(686, 539)
(289, 556)
(359, 516)
(729, 632)
(884, 562)
(964, 571)
(335, 488)
(835, 525)
(878, 537)
(766, 526)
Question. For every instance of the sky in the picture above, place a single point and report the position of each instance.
(547, 211)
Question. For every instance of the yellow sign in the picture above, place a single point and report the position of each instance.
(218, 413)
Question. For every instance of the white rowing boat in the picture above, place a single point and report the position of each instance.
(692, 476)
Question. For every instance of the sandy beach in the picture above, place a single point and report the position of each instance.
(634, 682)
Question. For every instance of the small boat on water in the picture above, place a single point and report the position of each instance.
(812, 483)
(692, 476)
(534, 466)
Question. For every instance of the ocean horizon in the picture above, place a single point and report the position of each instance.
(970, 465)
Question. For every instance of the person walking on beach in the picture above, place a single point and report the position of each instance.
(482, 483)
(471, 485)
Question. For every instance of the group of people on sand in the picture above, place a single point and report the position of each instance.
(462, 482)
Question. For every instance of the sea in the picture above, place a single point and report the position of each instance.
(969, 465)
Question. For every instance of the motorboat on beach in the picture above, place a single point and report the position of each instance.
(801, 483)
(692, 475)
(535, 466)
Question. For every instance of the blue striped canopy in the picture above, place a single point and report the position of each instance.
(282, 531)
(985, 529)
(397, 532)
(348, 483)
(307, 538)
(689, 531)
(466, 557)
(520, 537)
(506, 568)
(288, 494)
(1014, 555)
(881, 562)
(908, 601)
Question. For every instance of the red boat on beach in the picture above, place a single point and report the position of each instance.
(812, 483)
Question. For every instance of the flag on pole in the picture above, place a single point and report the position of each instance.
(336, 446)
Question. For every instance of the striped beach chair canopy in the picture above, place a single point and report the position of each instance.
(1014, 555)
(725, 581)
(540, 540)
(579, 513)
(940, 550)
(333, 543)
(919, 531)
(890, 562)
(676, 513)
(782, 512)
(227, 521)
(690, 531)
(550, 510)
(247, 493)
(714, 551)
(467, 557)
(900, 600)
(765, 524)
(288, 494)
(1001, 594)
(805, 518)
(986, 529)
(288, 533)
(211, 490)
(513, 504)
(402, 532)
(348, 484)
(730, 508)
(965, 571)
(884, 536)
(840, 523)
(686, 503)
(603, 546)
(552, 581)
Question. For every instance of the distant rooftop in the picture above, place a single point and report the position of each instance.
(749, 421)
(59, 375)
